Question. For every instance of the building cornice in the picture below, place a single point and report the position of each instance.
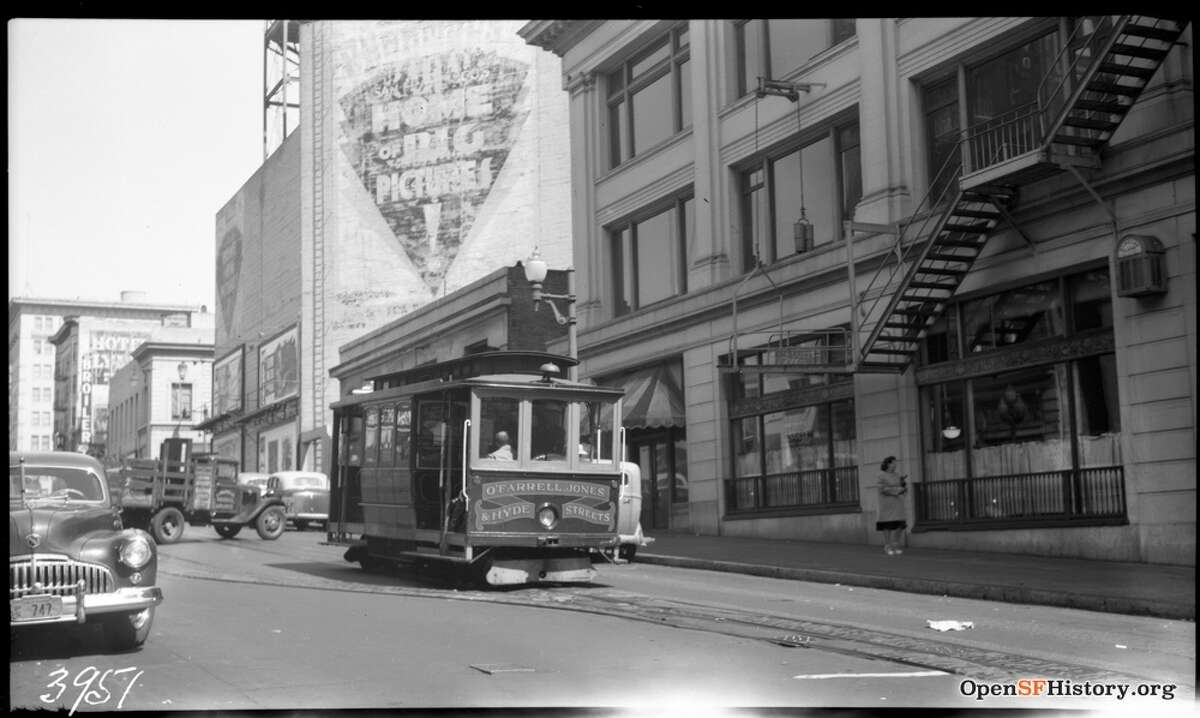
(557, 36)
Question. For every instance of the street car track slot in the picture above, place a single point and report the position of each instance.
(494, 668)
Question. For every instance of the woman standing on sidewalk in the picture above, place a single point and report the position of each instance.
(892, 518)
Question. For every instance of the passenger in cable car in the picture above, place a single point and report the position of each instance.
(503, 450)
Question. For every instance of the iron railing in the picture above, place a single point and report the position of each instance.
(908, 251)
(1068, 494)
(835, 487)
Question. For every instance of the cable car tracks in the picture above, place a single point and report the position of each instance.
(968, 661)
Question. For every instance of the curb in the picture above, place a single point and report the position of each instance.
(1007, 594)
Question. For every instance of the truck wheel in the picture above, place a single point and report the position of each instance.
(228, 530)
(126, 631)
(167, 525)
(270, 523)
(627, 551)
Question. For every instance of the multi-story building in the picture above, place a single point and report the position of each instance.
(162, 392)
(422, 157)
(810, 244)
(32, 324)
(89, 349)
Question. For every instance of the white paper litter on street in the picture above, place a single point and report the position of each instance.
(950, 625)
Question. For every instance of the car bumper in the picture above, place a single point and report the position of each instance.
(77, 608)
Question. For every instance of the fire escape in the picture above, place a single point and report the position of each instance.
(1091, 86)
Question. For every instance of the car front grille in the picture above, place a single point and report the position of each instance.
(58, 576)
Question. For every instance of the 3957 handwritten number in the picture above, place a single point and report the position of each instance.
(92, 682)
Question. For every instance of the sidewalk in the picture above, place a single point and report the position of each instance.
(1111, 586)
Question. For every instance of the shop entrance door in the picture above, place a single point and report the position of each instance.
(662, 458)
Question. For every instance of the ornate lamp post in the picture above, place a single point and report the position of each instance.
(535, 273)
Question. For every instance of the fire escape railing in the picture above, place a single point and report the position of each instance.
(907, 252)
(1024, 129)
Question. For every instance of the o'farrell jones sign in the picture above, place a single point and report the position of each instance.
(505, 501)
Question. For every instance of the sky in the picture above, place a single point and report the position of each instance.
(125, 138)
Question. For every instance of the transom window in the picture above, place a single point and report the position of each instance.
(649, 97)
(649, 254)
(774, 48)
(823, 177)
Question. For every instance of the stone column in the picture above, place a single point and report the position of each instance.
(885, 193)
(587, 143)
(708, 249)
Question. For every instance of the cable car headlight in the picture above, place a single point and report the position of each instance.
(547, 516)
(136, 552)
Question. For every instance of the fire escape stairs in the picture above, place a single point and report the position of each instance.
(931, 269)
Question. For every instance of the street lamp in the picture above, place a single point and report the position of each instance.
(535, 273)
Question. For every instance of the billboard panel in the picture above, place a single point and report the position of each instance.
(279, 367)
(227, 383)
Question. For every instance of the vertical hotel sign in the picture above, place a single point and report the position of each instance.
(429, 113)
(279, 367)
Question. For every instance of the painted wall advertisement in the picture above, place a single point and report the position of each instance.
(429, 112)
(227, 383)
(229, 263)
(279, 367)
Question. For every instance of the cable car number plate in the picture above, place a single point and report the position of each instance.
(35, 608)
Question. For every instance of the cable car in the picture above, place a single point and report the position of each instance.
(490, 461)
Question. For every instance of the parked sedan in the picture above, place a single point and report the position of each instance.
(70, 559)
(305, 497)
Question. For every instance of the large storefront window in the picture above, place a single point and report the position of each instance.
(1030, 433)
(790, 451)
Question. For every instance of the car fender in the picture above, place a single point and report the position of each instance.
(263, 505)
(106, 550)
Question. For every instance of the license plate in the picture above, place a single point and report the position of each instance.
(33, 608)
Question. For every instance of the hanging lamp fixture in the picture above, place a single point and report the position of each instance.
(802, 230)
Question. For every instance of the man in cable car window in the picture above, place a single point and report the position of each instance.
(503, 450)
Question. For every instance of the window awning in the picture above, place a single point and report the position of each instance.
(653, 397)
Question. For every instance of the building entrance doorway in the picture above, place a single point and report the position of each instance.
(662, 456)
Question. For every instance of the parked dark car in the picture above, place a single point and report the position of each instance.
(305, 497)
(70, 558)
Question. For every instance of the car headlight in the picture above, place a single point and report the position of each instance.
(136, 552)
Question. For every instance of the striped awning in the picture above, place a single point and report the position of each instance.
(653, 397)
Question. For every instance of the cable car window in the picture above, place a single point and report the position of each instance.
(372, 438)
(498, 425)
(403, 422)
(595, 432)
(387, 434)
(548, 430)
